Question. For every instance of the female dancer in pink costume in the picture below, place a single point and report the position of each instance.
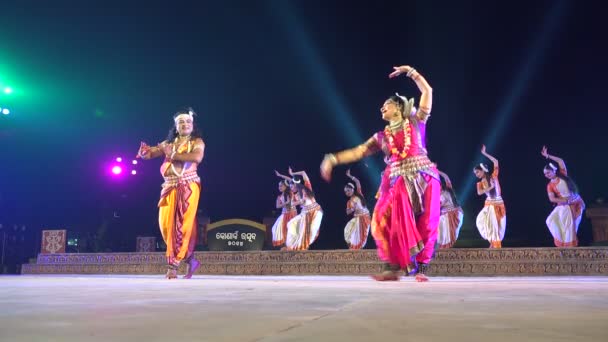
(406, 216)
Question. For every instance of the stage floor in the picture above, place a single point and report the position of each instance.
(302, 308)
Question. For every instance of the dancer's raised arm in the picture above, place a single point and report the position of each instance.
(560, 162)
(426, 92)
(303, 174)
(448, 182)
(494, 160)
(281, 176)
(356, 180)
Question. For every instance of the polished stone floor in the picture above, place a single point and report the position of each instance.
(302, 308)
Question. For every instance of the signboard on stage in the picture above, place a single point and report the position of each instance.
(236, 235)
(146, 244)
(53, 241)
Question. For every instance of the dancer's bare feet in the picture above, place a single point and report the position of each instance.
(421, 273)
(171, 274)
(386, 276)
(192, 267)
(496, 244)
(421, 278)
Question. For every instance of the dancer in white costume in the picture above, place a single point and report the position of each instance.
(288, 211)
(303, 230)
(569, 206)
(492, 219)
(451, 214)
(357, 229)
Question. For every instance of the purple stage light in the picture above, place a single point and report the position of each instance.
(116, 170)
(119, 160)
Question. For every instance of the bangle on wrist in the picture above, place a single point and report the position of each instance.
(332, 159)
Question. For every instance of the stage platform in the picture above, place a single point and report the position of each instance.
(447, 262)
(301, 308)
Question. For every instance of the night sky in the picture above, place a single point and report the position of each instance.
(280, 83)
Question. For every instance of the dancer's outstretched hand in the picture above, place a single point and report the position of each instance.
(144, 149)
(399, 70)
(326, 168)
(544, 152)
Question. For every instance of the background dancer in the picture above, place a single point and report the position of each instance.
(303, 230)
(492, 219)
(569, 206)
(288, 211)
(451, 215)
(357, 229)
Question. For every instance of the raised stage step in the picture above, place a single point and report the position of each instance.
(447, 262)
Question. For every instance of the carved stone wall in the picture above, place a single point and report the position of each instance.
(448, 262)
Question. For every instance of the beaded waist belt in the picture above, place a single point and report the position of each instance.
(411, 165)
(361, 212)
(288, 209)
(310, 207)
(572, 199)
(447, 209)
(494, 200)
(187, 177)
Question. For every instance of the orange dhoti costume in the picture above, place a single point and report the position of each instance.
(178, 207)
